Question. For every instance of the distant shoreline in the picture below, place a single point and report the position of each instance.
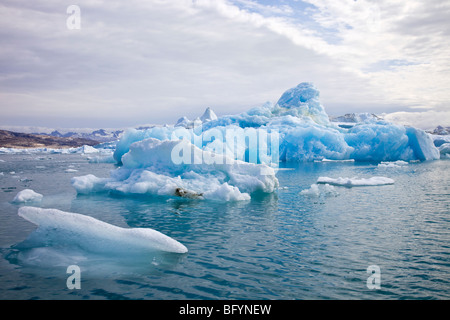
(18, 140)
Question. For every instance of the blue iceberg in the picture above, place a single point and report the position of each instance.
(294, 129)
(305, 132)
(179, 168)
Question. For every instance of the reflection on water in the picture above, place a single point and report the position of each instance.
(47, 248)
(284, 245)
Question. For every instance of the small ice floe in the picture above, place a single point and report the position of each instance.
(392, 164)
(316, 191)
(343, 160)
(97, 236)
(355, 182)
(27, 195)
(444, 150)
(70, 170)
(149, 168)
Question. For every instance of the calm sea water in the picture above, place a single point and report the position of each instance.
(279, 246)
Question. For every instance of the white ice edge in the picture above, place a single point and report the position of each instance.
(104, 233)
(355, 182)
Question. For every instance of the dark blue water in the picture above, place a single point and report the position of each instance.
(279, 246)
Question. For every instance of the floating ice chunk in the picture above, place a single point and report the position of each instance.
(388, 165)
(178, 168)
(355, 182)
(312, 191)
(83, 150)
(422, 144)
(70, 170)
(95, 235)
(329, 190)
(444, 149)
(89, 183)
(27, 195)
(88, 149)
(392, 164)
(305, 132)
(343, 160)
(317, 190)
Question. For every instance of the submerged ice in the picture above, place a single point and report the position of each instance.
(356, 182)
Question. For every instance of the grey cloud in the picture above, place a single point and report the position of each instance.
(131, 62)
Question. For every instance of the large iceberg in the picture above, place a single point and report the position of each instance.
(179, 168)
(304, 131)
(392, 164)
(232, 156)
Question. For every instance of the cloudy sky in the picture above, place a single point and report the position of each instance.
(142, 62)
